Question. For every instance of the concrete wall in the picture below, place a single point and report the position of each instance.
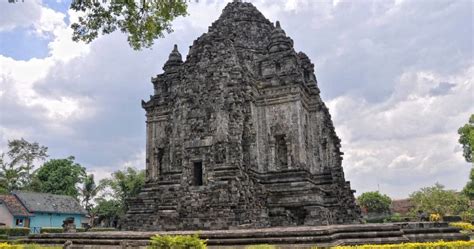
(5, 216)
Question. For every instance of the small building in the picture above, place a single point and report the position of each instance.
(13, 213)
(37, 210)
(401, 206)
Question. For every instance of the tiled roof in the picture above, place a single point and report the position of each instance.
(14, 205)
(49, 203)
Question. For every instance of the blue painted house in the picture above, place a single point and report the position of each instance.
(46, 210)
(13, 213)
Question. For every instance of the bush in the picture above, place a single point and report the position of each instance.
(263, 246)
(468, 215)
(51, 230)
(15, 231)
(27, 246)
(102, 229)
(467, 227)
(3, 237)
(177, 241)
(424, 245)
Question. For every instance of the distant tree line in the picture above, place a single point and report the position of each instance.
(104, 201)
(435, 199)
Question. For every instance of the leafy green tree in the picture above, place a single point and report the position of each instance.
(16, 165)
(107, 211)
(469, 188)
(59, 176)
(466, 138)
(89, 191)
(375, 202)
(436, 199)
(143, 21)
(125, 184)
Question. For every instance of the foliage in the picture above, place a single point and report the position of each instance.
(437, 200)
(469, 188)
(59, 176)
(466, 138)
(15, 173)
(419, 245)
(143, 21)
(102, 229)
(51, 230)
(435, 217)
(465, 226)
(375, 202)
(125, 184)
(468, 215)
(262, 246)
(108, 210)
(89, 191)
(27, 246)
(15, 231)
(177, 241)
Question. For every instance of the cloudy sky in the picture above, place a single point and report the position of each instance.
(397, 77)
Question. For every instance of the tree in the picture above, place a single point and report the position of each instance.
(469, 188)
(143, 21)
(15, 172)
(59, 176)
(107, 211)
(125, 184)
(375, 202)
(437, 200)
(89, 191)
(466, 138)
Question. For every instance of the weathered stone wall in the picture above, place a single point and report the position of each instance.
(244, 112)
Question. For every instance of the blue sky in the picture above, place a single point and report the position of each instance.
(396, 75)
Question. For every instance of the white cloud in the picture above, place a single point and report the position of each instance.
(411, 135)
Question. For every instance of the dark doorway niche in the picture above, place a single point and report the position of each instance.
(281, 152)
(159, 159)
(197, 174)
(277, 67)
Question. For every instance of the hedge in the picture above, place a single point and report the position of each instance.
(51, 230)
(177, 241)
(468, 227)
(424, 245)
(102, 229)
(15, 231)
(28, 246)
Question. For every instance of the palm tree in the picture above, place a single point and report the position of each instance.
(89, 191)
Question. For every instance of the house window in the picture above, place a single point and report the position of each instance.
(19, 222)
(197, 174)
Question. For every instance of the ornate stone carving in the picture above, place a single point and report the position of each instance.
(240, 136)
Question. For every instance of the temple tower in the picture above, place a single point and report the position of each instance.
(238, 136)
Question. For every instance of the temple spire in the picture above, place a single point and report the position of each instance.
(278, 40)
(174, 59)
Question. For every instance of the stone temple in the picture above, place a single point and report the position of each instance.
(238, 136)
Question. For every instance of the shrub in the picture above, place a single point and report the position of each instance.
(424, 245)
(177, 241)
(263, 246)
(375, 202)
(3, 237)
(15, 231)
(27, 246)
(102, 229)
(468, 215)
(468, 227)
(51, 230)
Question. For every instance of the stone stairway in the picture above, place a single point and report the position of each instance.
(302, 235)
